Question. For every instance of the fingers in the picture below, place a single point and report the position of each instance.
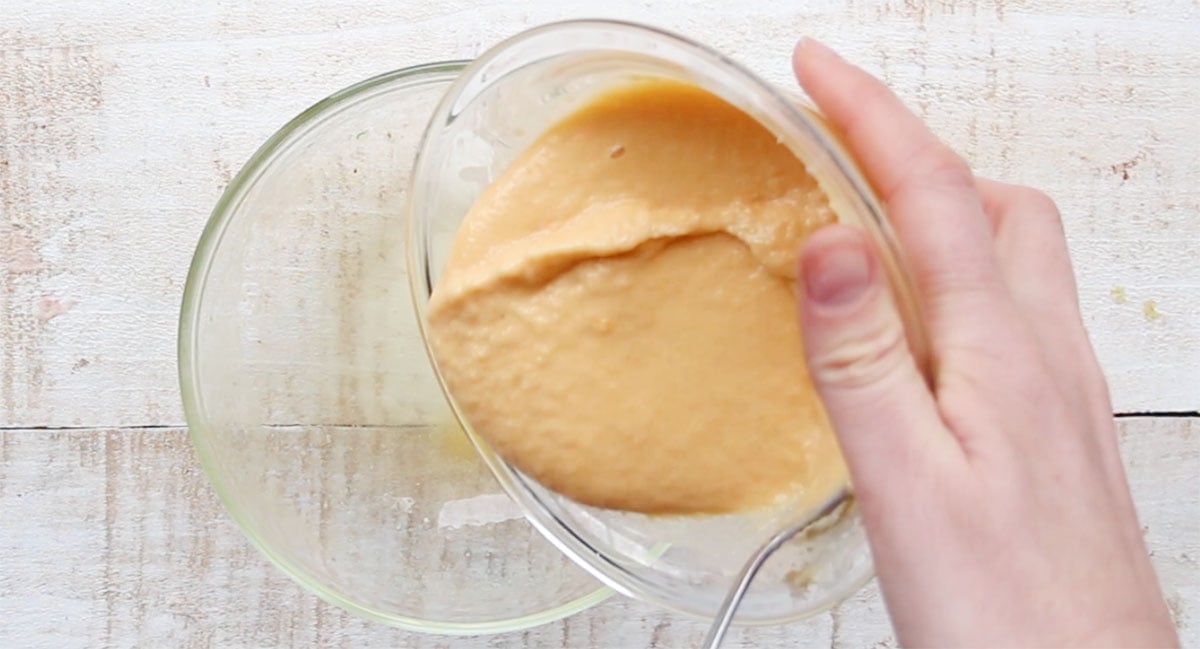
(1035, 262)
(1032, 247)
(929, 191)
(892, 143)
(854, 341)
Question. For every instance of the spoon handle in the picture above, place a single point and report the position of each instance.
(720, 625)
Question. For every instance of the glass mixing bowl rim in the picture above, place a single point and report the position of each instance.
(193, 405)
(557, 531)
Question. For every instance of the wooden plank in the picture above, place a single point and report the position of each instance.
(120, 125)
(113, 538)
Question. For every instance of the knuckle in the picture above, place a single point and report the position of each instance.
(1036, 205)
(931, 166)
(936, 164)
(1020, 200)
(1038, 200)
(1041, 205)
(863, 360)
(866, 92)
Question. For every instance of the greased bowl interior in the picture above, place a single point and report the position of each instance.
(311, 402)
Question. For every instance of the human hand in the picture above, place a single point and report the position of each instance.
(994, 498)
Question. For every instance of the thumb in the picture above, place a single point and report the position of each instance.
(859, 359)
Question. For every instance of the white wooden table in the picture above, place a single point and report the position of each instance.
(122, 120)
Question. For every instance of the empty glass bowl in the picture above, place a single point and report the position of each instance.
(311, 404)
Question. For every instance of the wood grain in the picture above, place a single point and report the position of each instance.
(113, 539)
(120, 123)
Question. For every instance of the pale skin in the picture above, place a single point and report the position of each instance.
(993, 495)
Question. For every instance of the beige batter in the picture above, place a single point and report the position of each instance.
(617, 317)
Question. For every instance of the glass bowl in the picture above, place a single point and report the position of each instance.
(495, 109)
(311, 403)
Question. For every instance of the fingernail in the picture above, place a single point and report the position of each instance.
(837, 276)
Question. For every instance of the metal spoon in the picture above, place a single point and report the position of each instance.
(720, 625)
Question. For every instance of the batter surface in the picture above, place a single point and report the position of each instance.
(617, 319)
